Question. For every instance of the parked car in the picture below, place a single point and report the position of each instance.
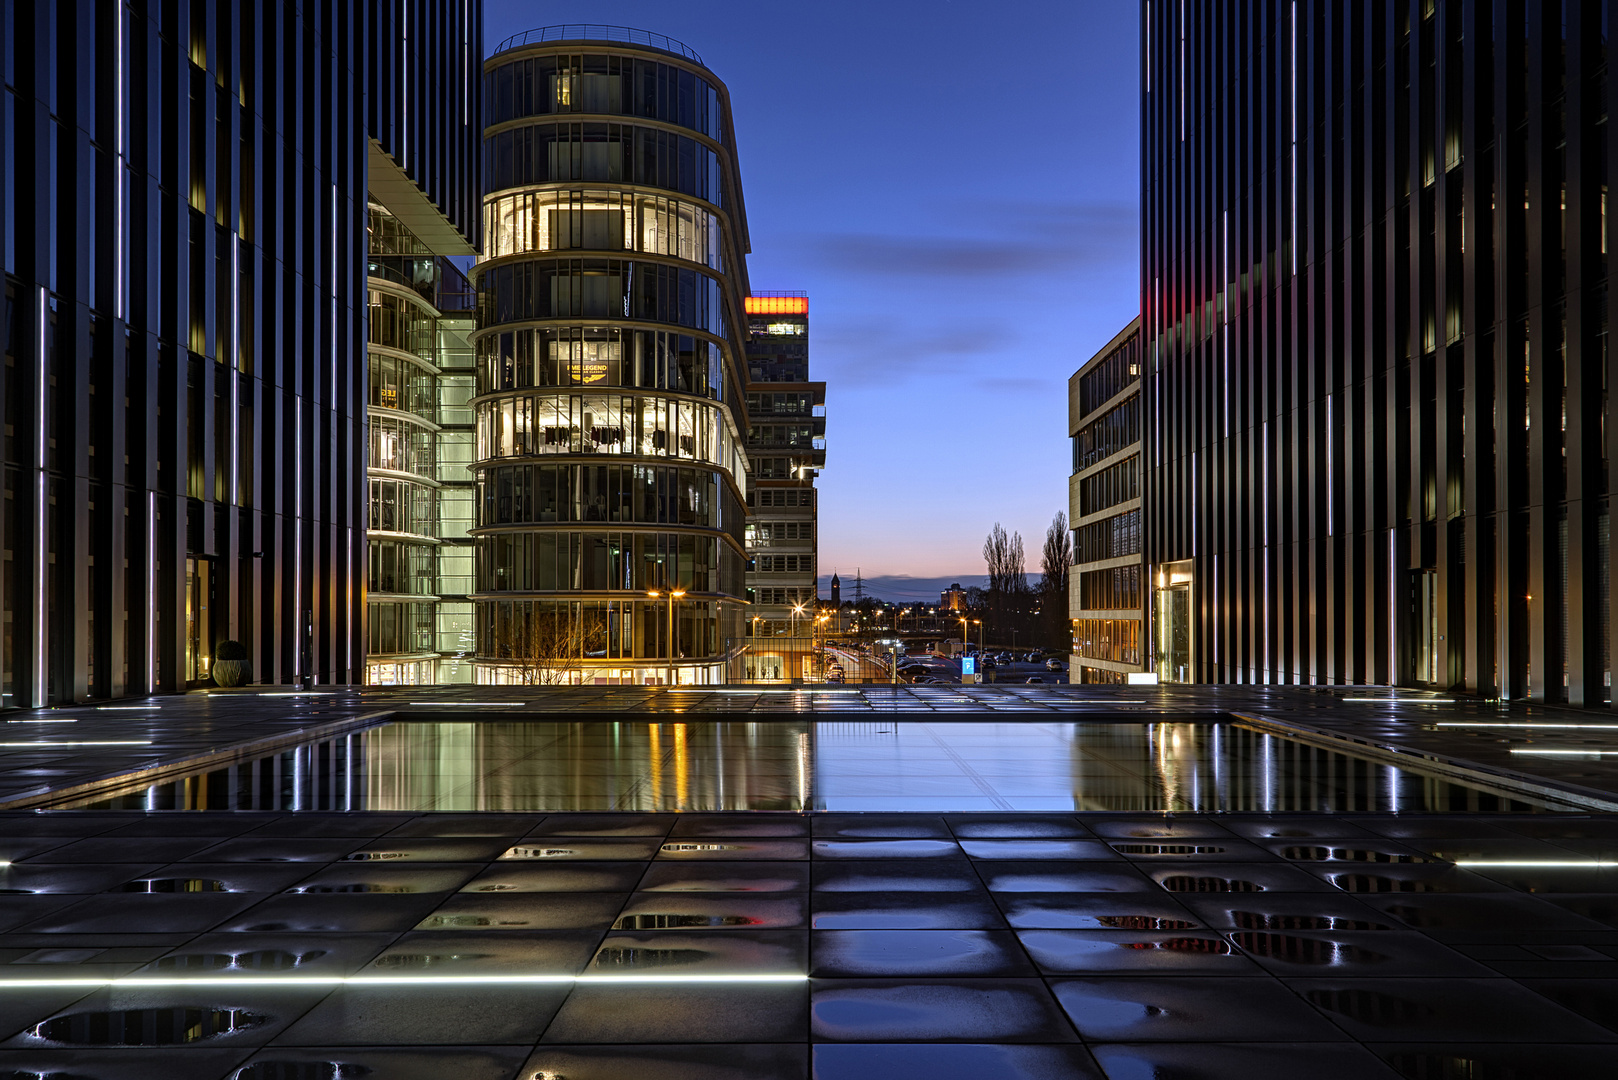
(1053, 664)
(1035, 679)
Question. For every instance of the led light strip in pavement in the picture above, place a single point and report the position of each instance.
(217, 981)
(1561, 864)
(1522, 724)
(1402, 701)
(1558, 753)
(70, 745)
(468, 704)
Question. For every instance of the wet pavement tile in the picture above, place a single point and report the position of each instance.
(710, 911)
(1022, 827)
(383, 878)
(335, 913)
(173, 912)
(700, 849)
(1570, 827)
(1427, 878)
(1383, 954)
(128, 849)
(897, 876)
(691, 952)
(513, 826)
(427, 1015)
(1600, 908)
(1053, 877)
(1188, 849)
(905, 911)
(264, 954)
(1188, 952)
(1285, 911)
(738, 1061)
(886, 849)
(167, 1017)
(508, 911)
(762, 877)
(880, 827)
(603, 825)
(1465, 911)
(738, 826)
(332, 826)
(560, 849)
(919, 953)
(17, 911)
(1069, 911)
(1069, 850)
(1201, 877)
(124, 1063)
(1447, 827)
(951, 1061)
(1208, 1009)
(563, 876)
(1296, 828)
(393, 849)
(1487, 1010)
(1546, 880)
(417, 1063)
(1496, 1061)
(767, 1012)
(517, 952)
(20, 879)
(1159, 827)
(1593, 999)
(963, 1010)
(1241, 1061)
(299, 849)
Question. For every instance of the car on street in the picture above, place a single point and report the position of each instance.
(1053, 664)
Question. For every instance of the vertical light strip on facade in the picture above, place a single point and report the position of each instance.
(151, 591)
(1393, 607)
(235, 369)
(1293, 109)
(1182, 70)
(1225, 288)
(41, 482)
(118, 169)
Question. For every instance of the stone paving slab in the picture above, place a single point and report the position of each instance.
(934, 945)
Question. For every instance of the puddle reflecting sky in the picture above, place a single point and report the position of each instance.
(847, 766)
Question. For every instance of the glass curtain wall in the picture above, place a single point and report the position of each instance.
(608, 509)
(419, 424)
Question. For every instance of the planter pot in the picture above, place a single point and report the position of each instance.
(230, 672)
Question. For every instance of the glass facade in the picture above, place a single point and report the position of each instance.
(1105, 589)
(420, 436)
(610, 466)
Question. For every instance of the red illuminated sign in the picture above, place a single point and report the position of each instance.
(777, 305)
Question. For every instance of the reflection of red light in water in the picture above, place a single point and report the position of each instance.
(1185, 944)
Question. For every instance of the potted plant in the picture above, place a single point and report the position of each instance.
(230, 666)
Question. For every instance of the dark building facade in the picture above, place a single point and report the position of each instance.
(1375, 323)
(1107, 583)
(183, 233)
(610, 412)
(786, 443)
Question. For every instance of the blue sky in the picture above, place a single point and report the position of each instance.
(957, 187)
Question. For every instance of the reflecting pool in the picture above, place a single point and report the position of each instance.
(412, 766)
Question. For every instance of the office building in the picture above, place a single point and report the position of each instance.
(786, 440)
(1104, 504)
(953, 598)
(183, 213)
(610, 408)
(1374, 283)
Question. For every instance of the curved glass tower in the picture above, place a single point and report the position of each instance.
(610, 465)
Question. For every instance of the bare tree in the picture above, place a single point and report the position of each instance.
(1008, 584)
(1055, 559)
(545, 645)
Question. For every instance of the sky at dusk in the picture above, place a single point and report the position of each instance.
(956, 185)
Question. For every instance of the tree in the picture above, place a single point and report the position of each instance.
(1008, 595)
(1055, 559)
(543, 643)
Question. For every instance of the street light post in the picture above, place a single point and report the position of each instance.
(673, 595)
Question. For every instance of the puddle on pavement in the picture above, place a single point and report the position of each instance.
(145, 1027)
(788, 765)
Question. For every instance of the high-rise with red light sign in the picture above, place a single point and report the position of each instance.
(786, 442)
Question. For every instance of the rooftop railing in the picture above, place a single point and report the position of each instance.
(597, 32)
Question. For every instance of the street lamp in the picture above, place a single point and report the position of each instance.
(673, 595)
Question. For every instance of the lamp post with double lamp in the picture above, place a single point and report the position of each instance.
(797, 612)
(673, 595)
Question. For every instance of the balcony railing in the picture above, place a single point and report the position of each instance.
(597, 32)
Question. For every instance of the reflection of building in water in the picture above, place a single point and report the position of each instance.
(611, 467)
